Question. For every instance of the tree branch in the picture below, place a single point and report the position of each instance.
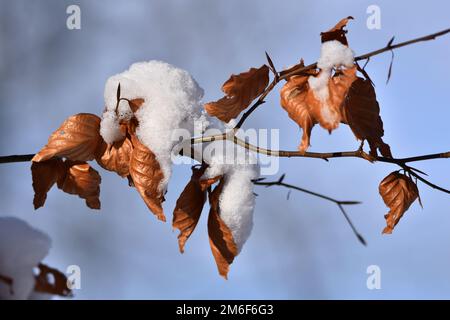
(340, 204)
(301, 68)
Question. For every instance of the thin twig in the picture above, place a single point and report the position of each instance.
(340, 204)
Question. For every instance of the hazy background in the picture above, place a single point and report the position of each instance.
(299, 249)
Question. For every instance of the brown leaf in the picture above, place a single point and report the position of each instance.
(57, 287)
(362, 113)
(206, 183)
(337, 32)
(398, 192)
(116, 157)
(302, 105)
(240, 91)
(135, 104)
(147, 175)
(189, 207)
(83, 180)
(76, 139)
(221, 239)
(45, 174)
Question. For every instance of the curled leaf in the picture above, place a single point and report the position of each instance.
(189, 207)
(45, 174)
(146, 174)
(116, 157)
(398, 192)
(307, 108)
(337, 32)
(221, 240)
(362, 113)
(76, 139)
(240, 91)
(82, 180)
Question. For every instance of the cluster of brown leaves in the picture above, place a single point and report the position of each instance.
(187, 214)
(351, 99)
(64, 161)
(398, 191)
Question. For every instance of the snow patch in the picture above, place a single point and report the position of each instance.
(21, 249)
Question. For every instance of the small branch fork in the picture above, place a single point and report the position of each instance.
(340, 204)
(299, 69)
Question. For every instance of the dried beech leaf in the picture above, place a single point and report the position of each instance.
(362, 113)
(45, 174)
(221, 239)
(57, 287)
(147, 175)
(398, 192)
(189, 207)
(337, 32)
(240, 91)
(302, 105)
(206, 183)
(135, 104)
(116, 157)
(76, 139)
(83, 180)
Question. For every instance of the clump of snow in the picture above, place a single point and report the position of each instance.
(333, 54)
(172, 101)
(237, 200)
(21, 249)
(110, 128)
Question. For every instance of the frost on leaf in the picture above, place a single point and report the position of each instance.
(189, 207)
(240, 91)
(76, 139)
(82, 180)
(45, 174)
(398, 192)
(362, 114)
(221, 239)
(306, 109)
(147, 175)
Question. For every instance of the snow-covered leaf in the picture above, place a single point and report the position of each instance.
(221, 239)
(321, 104)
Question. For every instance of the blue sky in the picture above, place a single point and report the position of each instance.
(300, 248)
